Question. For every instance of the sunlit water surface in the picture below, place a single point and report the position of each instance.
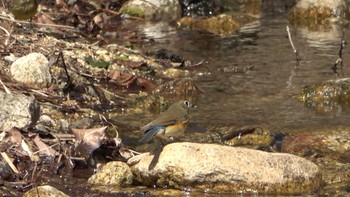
(265, 94)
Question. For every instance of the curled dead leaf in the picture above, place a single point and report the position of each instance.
(91, 138)
(43, 148)
(14, 137)
(131, 82)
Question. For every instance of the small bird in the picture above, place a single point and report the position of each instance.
(169, 124)
(23, 9)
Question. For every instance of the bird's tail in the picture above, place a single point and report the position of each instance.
(149, 135)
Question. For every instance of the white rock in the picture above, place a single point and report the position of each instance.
(32, 70)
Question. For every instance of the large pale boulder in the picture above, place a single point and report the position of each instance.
(217, 168)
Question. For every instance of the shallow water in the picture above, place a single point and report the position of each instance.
(254, 78)
(265, 95)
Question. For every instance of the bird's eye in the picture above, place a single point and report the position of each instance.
(187, 103)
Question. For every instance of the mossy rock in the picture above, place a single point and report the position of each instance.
(318, 15)
(332, 94)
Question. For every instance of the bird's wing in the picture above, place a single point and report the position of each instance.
(152, 132)
(164, 120)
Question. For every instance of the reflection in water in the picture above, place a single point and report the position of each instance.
(323, 40)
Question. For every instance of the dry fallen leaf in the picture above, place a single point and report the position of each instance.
(43, 148)
(131, 82)
(14, 137)
(90, 137)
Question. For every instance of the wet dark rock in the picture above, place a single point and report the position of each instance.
(113, 173)
(217, 168)
(303, 144)
(199, 8)
(246, 136)
(32, 70)
(332, 95)
(326, 143)
(44, 191)
(329, 149)
(232, 135)
(153, 9)
(17, 110)
(205, 8)
(313, 13)
(5, 171)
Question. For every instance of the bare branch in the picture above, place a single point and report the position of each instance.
(292, 44)
(340, 54)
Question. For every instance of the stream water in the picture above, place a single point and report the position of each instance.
(254, 78)
(265, 94)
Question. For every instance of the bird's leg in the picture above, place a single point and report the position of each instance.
(161, 144)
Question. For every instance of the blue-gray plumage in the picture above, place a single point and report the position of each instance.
(171, 123)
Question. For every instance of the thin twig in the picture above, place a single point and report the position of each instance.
(8, 35)
(340, 54)
(9, 162)
(294, 49)
(5, 30)
(44, 94)
(151, 4)
(5, 88)
(118, 13)
(47, 148)
(69, 84)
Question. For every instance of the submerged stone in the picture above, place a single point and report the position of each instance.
(327, 96)
(217, 168)
(166, 94)
(221, 25)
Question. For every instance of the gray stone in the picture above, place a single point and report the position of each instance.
(32, 70)
(17, 110)
(217, 168)
(113, 173)
(153, 9)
